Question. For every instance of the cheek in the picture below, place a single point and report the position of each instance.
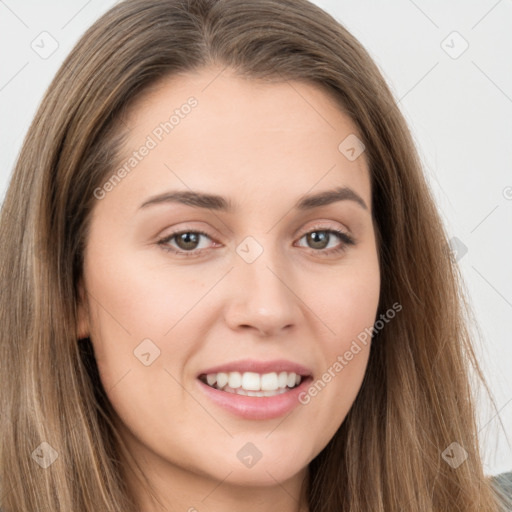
(346, 303)
(334, 389)
(136, 300)
(141, 313)
(345, 348)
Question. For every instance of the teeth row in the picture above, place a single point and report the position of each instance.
(250, 381)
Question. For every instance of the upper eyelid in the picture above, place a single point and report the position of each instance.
(319, 226)
(347, 240)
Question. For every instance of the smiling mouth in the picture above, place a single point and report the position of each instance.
(253, 384)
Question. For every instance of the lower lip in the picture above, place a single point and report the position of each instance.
(256, 407)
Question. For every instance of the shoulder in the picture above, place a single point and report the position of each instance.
(504, 482)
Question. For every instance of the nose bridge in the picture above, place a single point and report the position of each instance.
(263, 296)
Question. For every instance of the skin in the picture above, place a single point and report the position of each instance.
(263, 146)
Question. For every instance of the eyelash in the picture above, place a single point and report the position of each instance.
(346, 241)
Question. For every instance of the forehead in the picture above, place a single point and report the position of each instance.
(241, 133)
(230, 100)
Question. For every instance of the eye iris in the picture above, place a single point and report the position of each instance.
(315, 235)
(186, 238)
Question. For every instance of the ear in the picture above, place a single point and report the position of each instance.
(83, 330)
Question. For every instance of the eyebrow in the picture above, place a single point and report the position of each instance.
(220, 203)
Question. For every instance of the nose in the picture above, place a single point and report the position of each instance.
(263, 298)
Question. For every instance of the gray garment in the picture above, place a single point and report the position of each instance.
(504, 482)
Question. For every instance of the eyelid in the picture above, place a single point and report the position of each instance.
(323, 225)
(347, 239)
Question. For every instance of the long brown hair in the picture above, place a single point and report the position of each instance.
(417, 397)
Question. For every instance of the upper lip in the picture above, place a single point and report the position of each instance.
(252, 365)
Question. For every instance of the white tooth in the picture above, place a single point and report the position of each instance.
(222, 379)
(235, 380)
(251, 381)
(291, 380)
(254, 384)
(269, 382)
(282, 379)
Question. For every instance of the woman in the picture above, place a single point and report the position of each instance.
(194, 170)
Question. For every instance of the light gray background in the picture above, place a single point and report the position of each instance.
(459, 108)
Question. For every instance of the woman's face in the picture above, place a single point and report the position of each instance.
(270, 293)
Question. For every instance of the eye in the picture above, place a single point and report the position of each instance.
(188, 241)
(320, 237)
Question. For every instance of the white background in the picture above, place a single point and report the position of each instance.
(459, 110)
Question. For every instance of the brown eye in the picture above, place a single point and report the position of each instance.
(186, 241)
(318, 239)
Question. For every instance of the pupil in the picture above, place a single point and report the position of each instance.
(322, 235)
(186, 238)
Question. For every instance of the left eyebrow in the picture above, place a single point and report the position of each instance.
(220, 203)
(196, 199)
(330, 196)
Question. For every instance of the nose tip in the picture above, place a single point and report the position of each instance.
(262, 300)
(267, 323)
